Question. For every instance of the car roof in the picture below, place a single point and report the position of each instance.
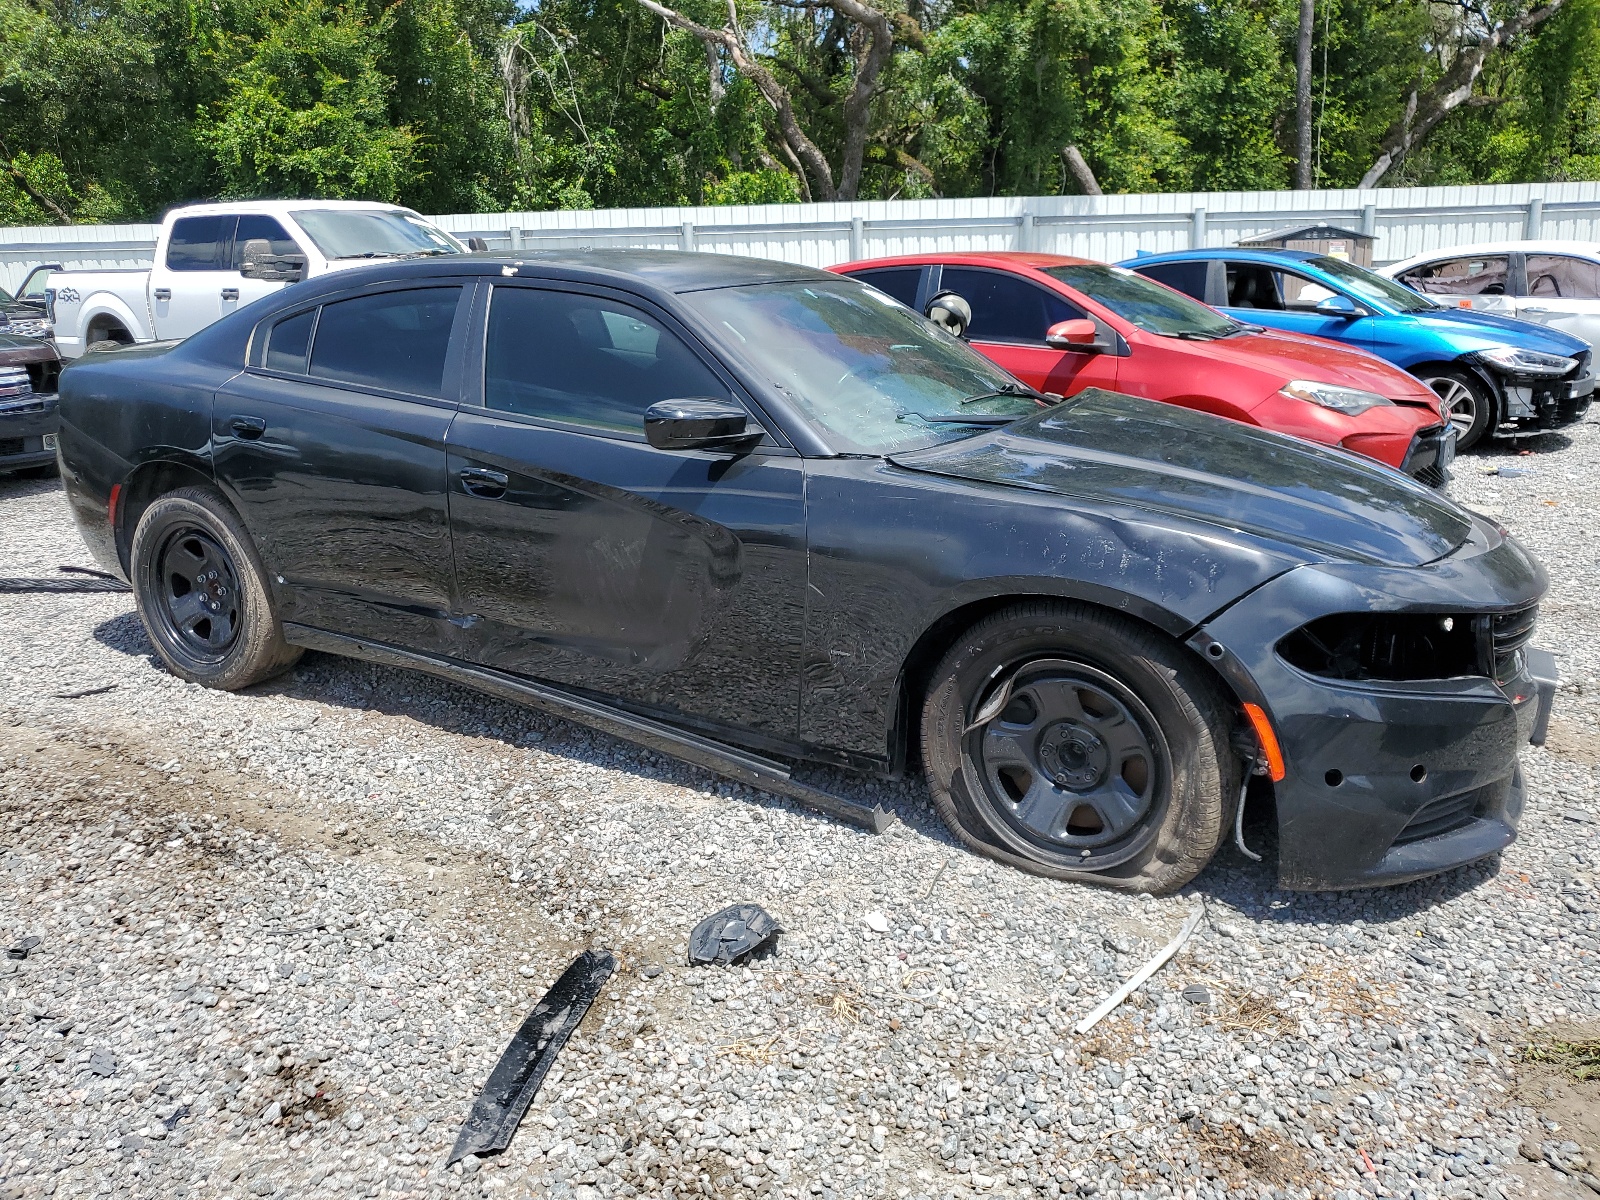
(1207, 253)
(1011, 259)
(278, 207)
(664, 270)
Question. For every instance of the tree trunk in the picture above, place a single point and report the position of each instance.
(1302, 94)
(1449, 92)
(1078, 166)
(858, 104)
(29, 190)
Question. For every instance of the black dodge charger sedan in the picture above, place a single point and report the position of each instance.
(758, 515)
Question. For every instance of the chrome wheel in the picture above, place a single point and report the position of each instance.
(1460, 404)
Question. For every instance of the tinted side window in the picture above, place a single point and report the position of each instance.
(585, 360)
(394, 340)
(1560, 276)
(1484, 275)
(288, 342)
(1005, 308)
(254, 227)
(198, 243)
(1187, 277)
(899, 282)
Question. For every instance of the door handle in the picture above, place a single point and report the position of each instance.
(1537, 310)
(248, 428)
(230, 293)
(163, 293)
(477, 481)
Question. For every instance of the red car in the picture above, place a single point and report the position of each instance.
(1064, 324)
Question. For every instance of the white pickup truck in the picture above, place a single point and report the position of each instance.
(212, 259)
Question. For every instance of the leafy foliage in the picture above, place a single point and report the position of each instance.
(116, 109)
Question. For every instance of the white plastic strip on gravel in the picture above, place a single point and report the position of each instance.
(286, 934)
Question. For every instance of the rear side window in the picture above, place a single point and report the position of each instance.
(255, 227)
(1562, 277)
(199, 243)
(1005, 308)
(393, 340)
(288, 342)
(1482, 275)
(1187, 277)
(585, 360)
(899, 282)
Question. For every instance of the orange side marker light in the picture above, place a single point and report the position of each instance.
(1269, 741)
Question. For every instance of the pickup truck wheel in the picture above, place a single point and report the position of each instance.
(1471, 404)
(202, 593)
(1076, 744)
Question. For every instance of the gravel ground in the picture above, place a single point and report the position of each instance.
(286, 934)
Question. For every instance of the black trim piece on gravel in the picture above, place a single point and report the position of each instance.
(51, 583)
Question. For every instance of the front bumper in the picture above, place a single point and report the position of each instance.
(24, 431)
(1539, 404)
(1388, 782)
(1432, 451)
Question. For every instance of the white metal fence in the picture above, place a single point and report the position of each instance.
(1404, 221)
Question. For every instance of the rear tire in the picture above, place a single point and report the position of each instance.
(1472, 403)
(1108, 762)
(202, 593)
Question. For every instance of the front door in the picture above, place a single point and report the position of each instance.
(332, 445)
(1010, 317)
(673, 580)
(239, 291)
(1563, 292)
(188, 281)
(1286, 300)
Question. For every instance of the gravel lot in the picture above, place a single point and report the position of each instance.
(286, 934)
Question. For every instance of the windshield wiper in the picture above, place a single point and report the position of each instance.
(1010, 389)
(977, 419)
(1193, 335)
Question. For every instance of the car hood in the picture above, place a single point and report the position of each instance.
(14, 349)
(1105, 447)
(1287, 356)
(1468, 329)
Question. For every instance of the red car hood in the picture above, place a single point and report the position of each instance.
(1287, 356)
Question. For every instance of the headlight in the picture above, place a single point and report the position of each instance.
(1349, 401)
(1527, 362)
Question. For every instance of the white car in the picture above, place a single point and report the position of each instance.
(1552, 283)
(213, 259)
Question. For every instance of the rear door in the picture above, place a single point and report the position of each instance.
(1562, 291)
(674, 580)
(188, 281)
(332, 444)
(1010, 316)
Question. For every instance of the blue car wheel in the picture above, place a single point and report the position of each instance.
(1470, 403)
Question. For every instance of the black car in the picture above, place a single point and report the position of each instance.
(756, 514)
(28, 371)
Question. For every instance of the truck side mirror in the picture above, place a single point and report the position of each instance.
(477, 244)
(259, 262)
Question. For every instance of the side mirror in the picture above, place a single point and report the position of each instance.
(259, 262)
(1338, 306)
(477, 244)
(1078, 334)
(699, 425)
(950, 312)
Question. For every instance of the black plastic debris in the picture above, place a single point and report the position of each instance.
(517, 1077)
(1197, 993)
(101, 1063)
(732, 935)
(179, 1114)
(24, 947)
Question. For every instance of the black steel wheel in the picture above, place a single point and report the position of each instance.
(202, 592)
(1073, 762)
(1076, 743)
(199, 592)
(1468, 401)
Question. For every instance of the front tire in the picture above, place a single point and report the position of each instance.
(1108, 760)
(202, 593)
(1472, 404)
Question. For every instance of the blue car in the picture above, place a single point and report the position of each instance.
(1496, 375)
